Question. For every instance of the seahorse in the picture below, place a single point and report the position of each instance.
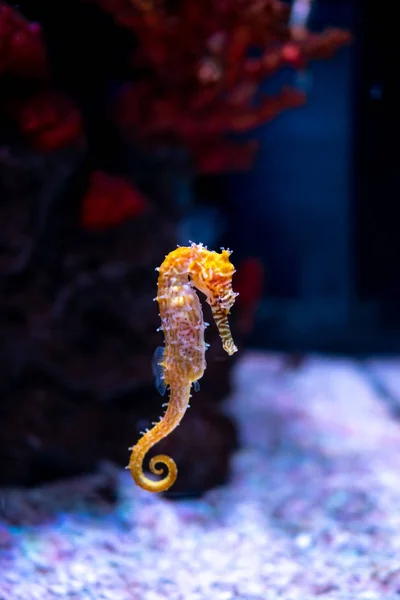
(181, 362)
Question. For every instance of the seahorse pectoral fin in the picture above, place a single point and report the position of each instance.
(158, 370)
(196, 386)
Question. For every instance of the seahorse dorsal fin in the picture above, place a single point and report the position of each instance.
(158, 370)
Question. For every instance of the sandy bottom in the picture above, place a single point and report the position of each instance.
(312, 509)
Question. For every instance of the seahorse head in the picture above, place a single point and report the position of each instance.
(212, 274)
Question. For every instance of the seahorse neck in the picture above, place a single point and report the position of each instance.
(175, 269)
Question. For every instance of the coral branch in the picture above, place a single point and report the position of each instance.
(199, 65)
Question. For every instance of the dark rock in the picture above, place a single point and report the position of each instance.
(78, 328)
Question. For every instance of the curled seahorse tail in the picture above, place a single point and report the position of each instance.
(168, 462)
(136, 469)
(179, 399)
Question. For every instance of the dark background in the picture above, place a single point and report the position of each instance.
(321, 205)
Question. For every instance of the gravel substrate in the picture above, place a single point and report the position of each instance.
(312, 510)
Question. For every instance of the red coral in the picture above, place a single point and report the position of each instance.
(199, 79)
(49, 120)
(22, 50)
(110, 201)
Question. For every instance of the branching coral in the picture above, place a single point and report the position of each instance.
(195, 79)
(198, 70)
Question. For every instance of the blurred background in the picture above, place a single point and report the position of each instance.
(127, 128)
(267, 126)
(320, 210)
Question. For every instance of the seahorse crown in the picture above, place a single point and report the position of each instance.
(213, 276)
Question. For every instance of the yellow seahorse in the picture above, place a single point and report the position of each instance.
(181, 362)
